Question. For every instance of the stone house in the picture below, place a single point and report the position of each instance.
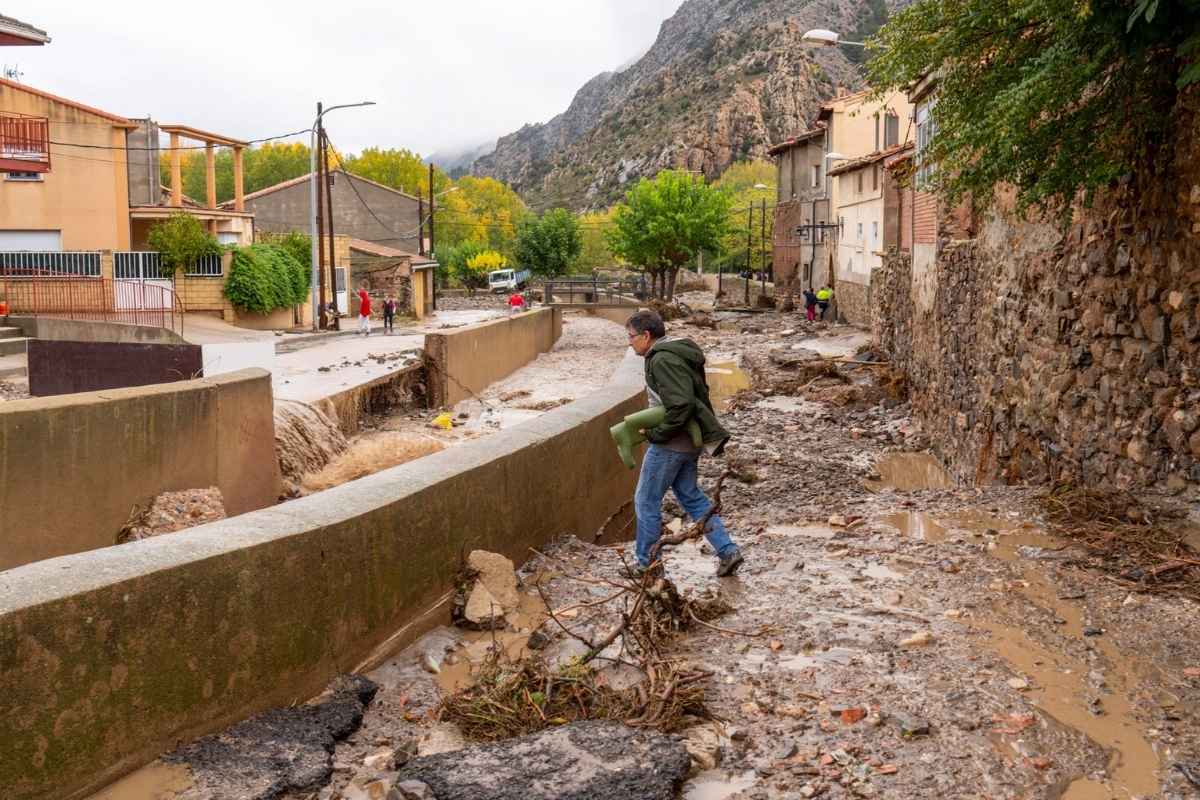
(388, 269)
(800, 252)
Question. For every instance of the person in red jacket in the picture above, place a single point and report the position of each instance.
(364, 310)
(516, 303)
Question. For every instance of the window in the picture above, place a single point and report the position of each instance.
(925, 131)
(228, 237)
(875, 232)
(23, 176)
(860, 231)
(876, 126)
(875, 178)
(860, 181)
(816, 176)
(891, 129)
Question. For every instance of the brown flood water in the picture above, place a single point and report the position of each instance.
(155, 781)
(910, 472)
(725, 379)
(1059, 688)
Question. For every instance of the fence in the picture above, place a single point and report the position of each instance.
(53, 294)
(594, 290)
(147, 265)
(79, 263)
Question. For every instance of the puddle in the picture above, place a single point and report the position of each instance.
(910, 471)
(1059, 681)
(715, 784)
(155, 781)
(725, 379)
(919, 525)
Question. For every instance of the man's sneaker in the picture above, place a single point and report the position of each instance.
(729, 563)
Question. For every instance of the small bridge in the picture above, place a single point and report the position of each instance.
(594, 292)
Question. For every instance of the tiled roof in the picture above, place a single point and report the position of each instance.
(23, 30)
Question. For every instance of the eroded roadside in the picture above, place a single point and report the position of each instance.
(891, 635)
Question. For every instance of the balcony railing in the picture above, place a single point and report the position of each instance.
(37, 264)
(24, 144)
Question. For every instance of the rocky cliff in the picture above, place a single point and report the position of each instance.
(724, 80)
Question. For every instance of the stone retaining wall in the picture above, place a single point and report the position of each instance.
(1040, 351)
(111, 657)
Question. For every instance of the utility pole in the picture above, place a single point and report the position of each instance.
(762, 240)
(749, 251)
(320, 259)
(329, 209)
(432, 247)
(420, 222)
(314, 220)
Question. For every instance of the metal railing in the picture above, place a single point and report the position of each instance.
(54, 294)
(206, 267)
(76, 263)
(594, 290)
(139, 265)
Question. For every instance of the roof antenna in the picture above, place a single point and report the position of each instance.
(13, 72)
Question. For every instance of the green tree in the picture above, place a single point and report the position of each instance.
(265, 277)
(460, 263)
(1054, 97)
(482, 210)
(549, 245)
(181, 241)
(595, 252)
(398, 168)
(743, 181)
(262, 166)
(665, 222)
(298, 245)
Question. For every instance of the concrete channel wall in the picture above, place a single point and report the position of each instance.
(72, 467)
(82, 330)
(111, 657)
(467, 360)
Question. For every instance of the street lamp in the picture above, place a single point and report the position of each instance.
(312, 200)
(836, 156)
(820, 37)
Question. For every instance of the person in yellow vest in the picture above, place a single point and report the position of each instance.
(824, 295)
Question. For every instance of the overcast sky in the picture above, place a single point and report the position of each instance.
(445, 73)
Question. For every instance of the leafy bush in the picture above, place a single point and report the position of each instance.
(266, 277)
(181, 240)
(298, 245)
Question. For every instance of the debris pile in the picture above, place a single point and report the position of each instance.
(173, 511)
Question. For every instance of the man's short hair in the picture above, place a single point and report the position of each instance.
(650, 321)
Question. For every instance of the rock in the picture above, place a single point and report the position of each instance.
(499, 576)
(483, 609)
(562, 652)
(368, 787)
(429, 663)
(381, 761)
(910, 725)
(1020, 684)
(541, 637)
(919, 639)
(784, 750)
(593, 759)
(1092, 631)
(704, 746)
(412, 790)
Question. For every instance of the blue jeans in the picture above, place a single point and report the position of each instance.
(664, 469)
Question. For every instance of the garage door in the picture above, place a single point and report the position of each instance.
(30, 240)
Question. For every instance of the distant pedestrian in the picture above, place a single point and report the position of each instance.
(516, 303)
(389, 314)
(364, 311)
(810, 304)
(824, 295)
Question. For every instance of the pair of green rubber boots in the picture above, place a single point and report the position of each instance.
(628, 433)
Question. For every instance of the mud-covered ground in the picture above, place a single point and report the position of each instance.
(16, 389)
(892, 635)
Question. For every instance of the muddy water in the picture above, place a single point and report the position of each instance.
(1059, 687)
(305, 439)
(725, 379)
(909, 472)
(368, 454)
(920, 525)
(155, 781)
(715, 784)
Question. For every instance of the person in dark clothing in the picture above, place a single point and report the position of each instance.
(810, 304)
(675, 379)
(389, 314)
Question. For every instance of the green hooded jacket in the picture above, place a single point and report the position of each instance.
(675, 373)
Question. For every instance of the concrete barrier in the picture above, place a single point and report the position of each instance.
(110, 657)
(72, 467)
(467, 360)
(79, 330)
(62, 367)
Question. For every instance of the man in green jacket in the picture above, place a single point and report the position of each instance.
(675, 379)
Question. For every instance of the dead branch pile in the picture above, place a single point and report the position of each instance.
(513, 698)
(1144, 548)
